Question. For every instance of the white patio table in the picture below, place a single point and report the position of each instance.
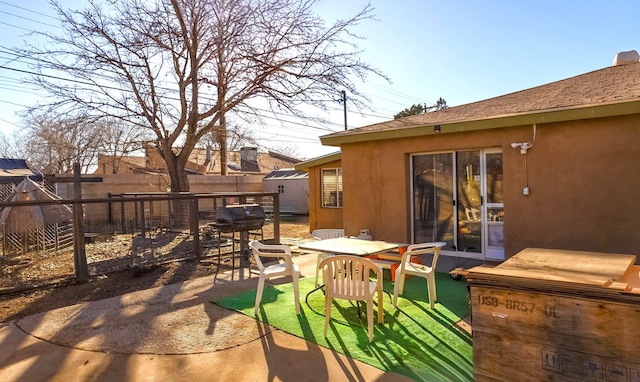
(349, 246)
(346, 246)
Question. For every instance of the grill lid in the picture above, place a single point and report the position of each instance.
(241, 217)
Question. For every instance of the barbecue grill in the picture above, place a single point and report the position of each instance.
(239, 218)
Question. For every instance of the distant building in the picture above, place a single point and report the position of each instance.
(12, 172)
(201, 161)
(293, 187)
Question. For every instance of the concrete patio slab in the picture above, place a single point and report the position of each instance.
(171, 333)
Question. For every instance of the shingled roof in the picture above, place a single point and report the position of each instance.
(610, 91)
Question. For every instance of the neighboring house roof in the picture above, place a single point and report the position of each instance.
(606, 92)
(135, 161)
(286, 173)
(209, 162)
(283, 157)
(266, 161)
(15, 170)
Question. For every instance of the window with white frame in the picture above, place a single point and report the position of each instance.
(332, 188)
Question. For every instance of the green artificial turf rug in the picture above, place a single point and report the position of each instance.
(415, 341)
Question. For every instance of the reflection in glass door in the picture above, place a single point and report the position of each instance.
(469, 201)
(494, 206)
(457, 198)
(433, 198)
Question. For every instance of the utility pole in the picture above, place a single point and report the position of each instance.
(344, 105)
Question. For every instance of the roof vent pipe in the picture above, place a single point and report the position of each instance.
(625, 58)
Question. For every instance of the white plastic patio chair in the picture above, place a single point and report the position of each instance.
(348, 278)
(327, 233)
(323, 234)
(416, 269)
(286, 268)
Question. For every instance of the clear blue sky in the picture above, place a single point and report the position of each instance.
(462, 51)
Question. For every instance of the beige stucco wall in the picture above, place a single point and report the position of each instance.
(147, 183)
(376, 179)
(132, 183)
(320, 217)
(584, 181)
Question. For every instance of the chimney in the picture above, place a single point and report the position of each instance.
(249, 159)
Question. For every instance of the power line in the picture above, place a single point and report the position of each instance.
(272, 135)
(128, 90)
(124, 90)
(396, 92)
(276, 115)
(13, 103)
(15, 26)
(384, 88)
(28, 10)
(9, 122)
(9, 51)
(28, 19)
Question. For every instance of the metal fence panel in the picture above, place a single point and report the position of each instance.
(127, 232)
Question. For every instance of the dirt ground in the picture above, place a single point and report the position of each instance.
(17, 305)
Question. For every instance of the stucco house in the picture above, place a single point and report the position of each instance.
(201, 161)
(555, 166)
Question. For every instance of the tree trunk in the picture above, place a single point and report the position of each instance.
(178, 176)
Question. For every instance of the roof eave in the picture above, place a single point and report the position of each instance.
(496, 122)
(306, 165)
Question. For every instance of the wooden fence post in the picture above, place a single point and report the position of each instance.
(79, 254)
(195, 225)
(276, 218)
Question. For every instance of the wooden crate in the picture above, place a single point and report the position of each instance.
(534, 319)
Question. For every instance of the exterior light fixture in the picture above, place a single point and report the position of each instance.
(523, 146)
(436, 128)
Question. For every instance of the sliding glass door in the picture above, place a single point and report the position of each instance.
(457, 199)
(433, 198)
(469, 202)
(494, 206)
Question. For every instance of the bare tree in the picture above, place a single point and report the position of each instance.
(119, 140)
(287, 150)
(56, 143)
(178, 68)
(236, 136)
(10, 146)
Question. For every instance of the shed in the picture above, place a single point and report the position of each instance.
(293, 187)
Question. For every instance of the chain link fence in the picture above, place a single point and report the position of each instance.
(126, 231)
